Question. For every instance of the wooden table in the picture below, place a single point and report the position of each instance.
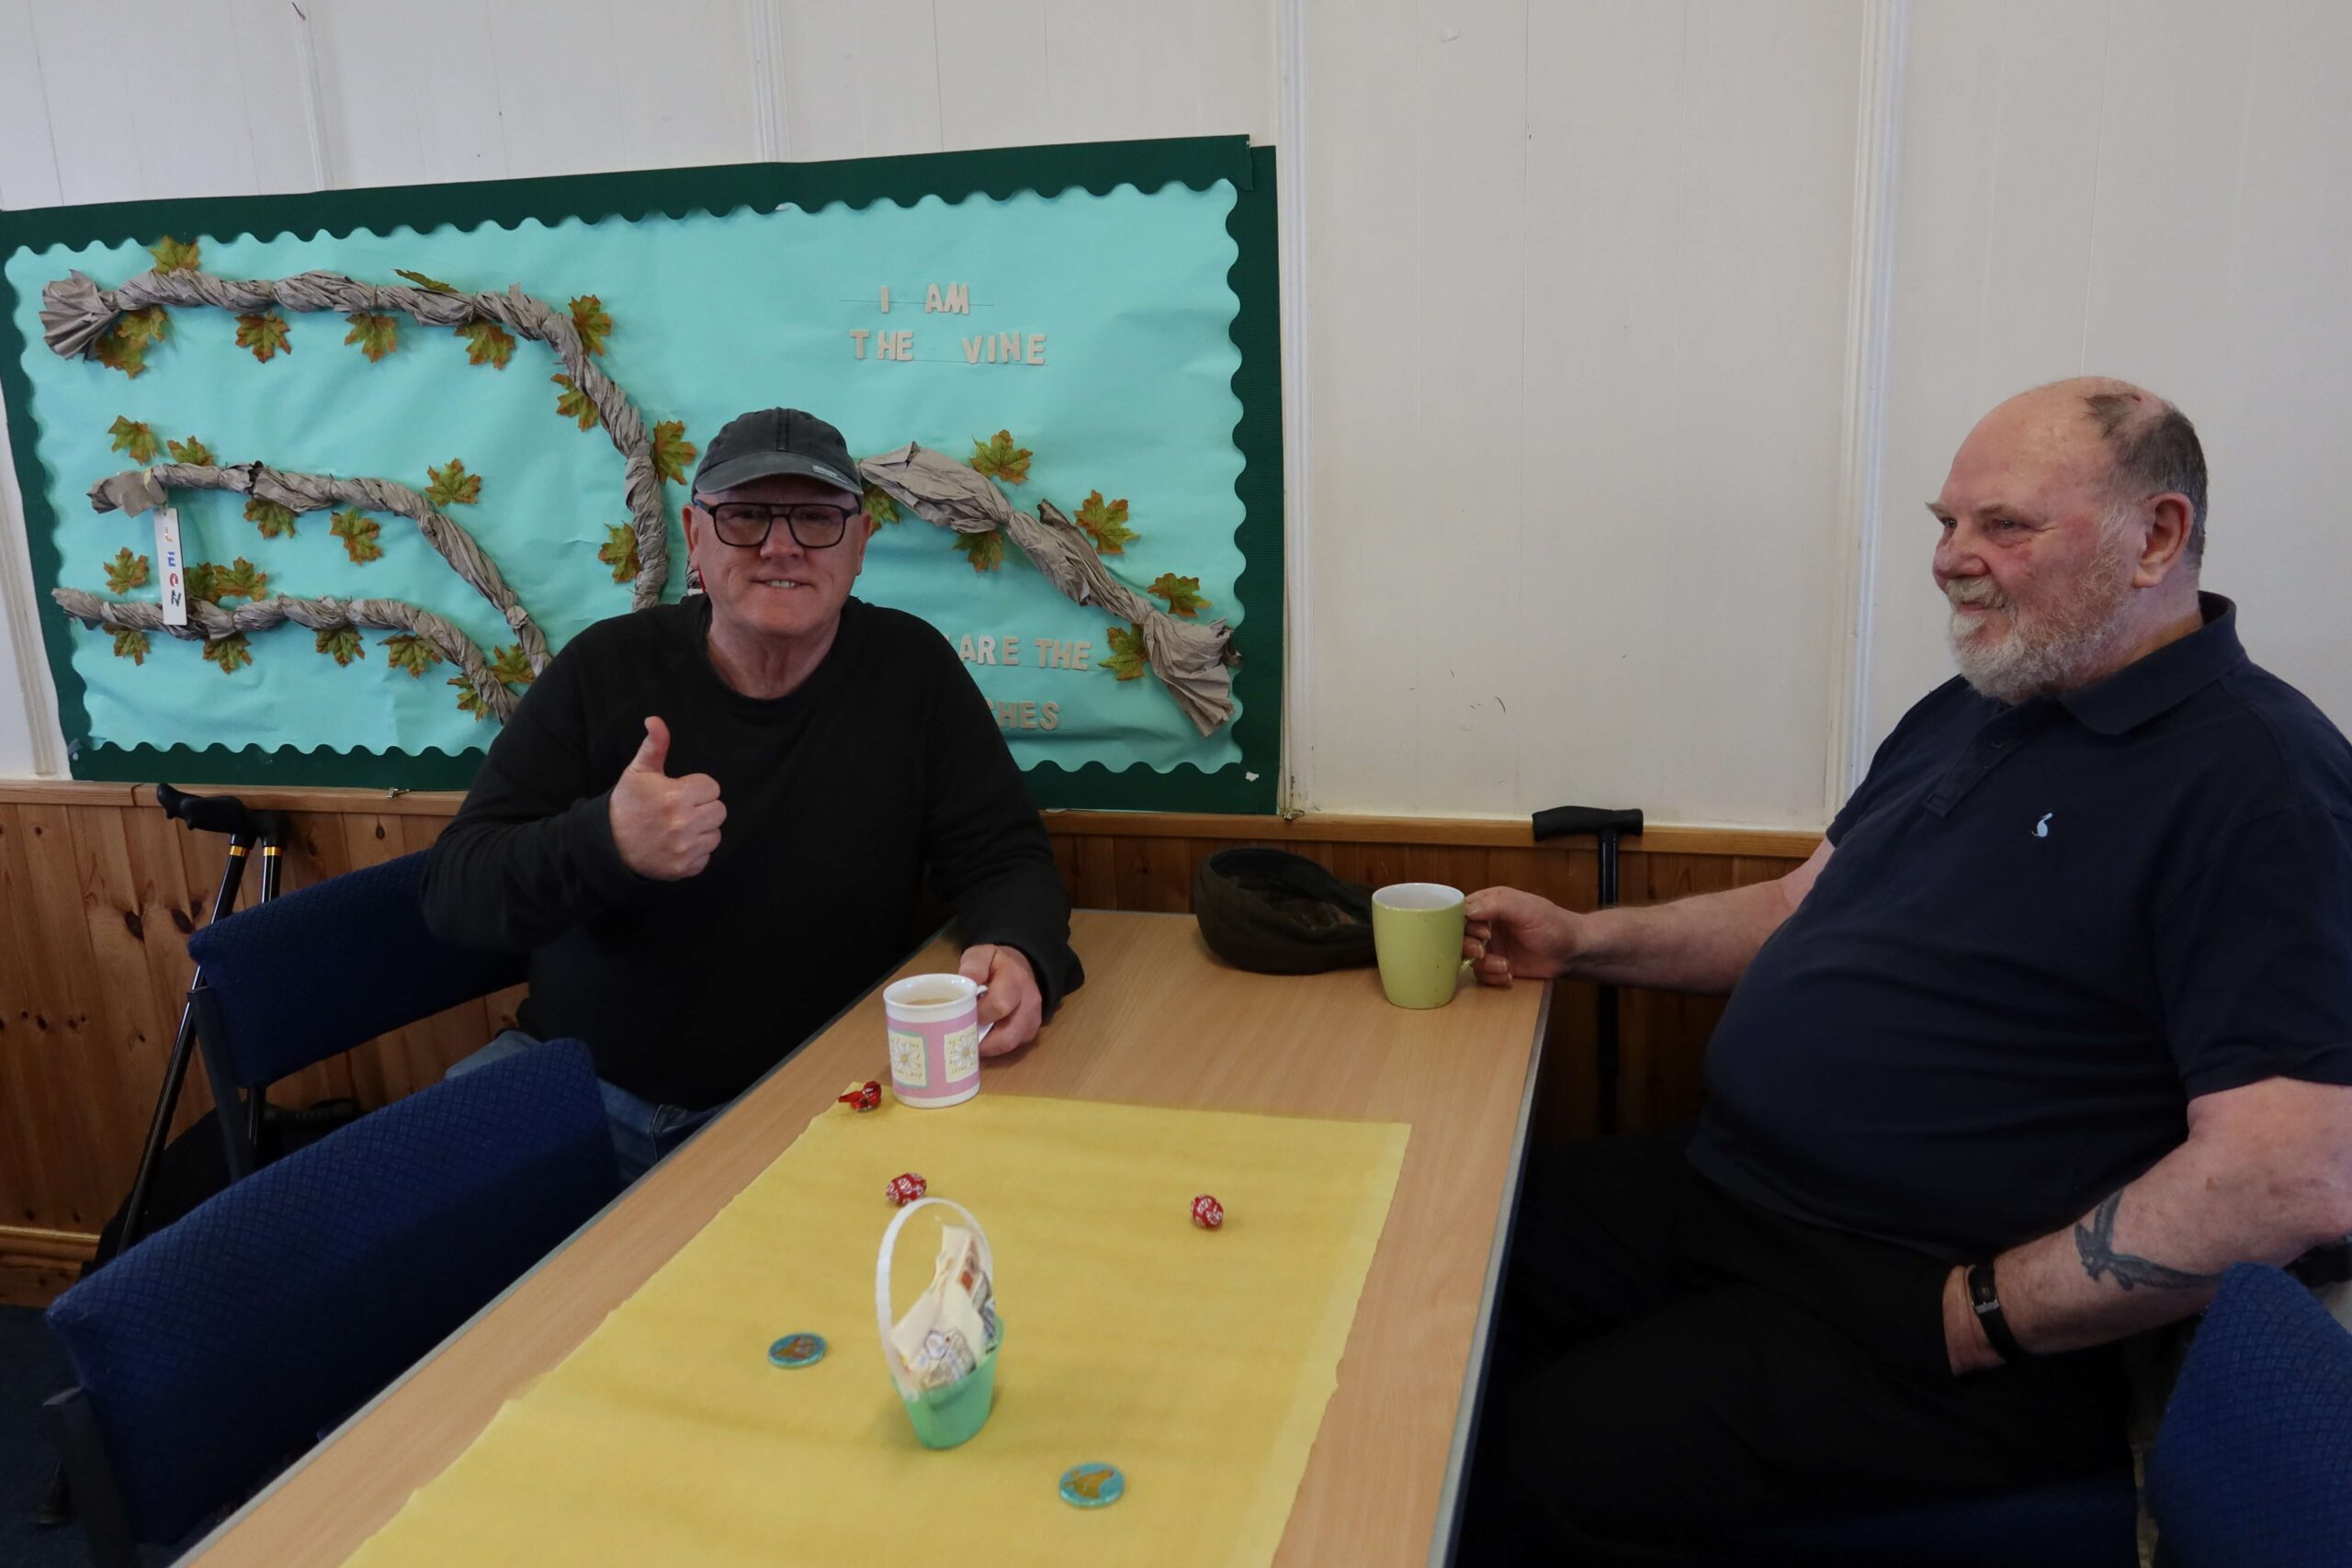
(1159, 1021)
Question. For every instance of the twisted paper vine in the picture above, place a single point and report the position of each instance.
(1190, 658)
(211, 623)
(140, 490)
(76, 316)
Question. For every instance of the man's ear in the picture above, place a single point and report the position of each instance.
(854, 537)
(2163, 550)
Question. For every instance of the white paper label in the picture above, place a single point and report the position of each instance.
(167, 556)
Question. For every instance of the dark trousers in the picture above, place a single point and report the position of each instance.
(1678, 1372)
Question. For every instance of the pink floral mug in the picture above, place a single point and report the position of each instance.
(935, 1034)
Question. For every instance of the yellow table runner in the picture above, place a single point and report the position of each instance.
(1199, 1362)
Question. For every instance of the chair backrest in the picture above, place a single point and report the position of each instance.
(2252, 1464)
(317, 971)
(227, 1340)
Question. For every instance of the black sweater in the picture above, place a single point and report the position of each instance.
(886, 765)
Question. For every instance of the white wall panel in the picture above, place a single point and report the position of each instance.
(863, 78)
(29, 172)
(1579, 285)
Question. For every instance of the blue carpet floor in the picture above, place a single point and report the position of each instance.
(31, 1369)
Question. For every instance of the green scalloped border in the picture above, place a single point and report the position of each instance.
(1096, 167)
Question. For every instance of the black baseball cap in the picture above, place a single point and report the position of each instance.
(768, 441)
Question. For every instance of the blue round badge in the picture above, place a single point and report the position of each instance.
(797, 1351)
(1093, 1485)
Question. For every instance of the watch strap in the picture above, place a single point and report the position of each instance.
(1984, 1300)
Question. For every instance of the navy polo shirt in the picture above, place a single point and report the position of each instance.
(2045, 929)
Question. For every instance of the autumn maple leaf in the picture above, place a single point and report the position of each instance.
(238, 580)
(147, 324)
(358, 533)
(620, 552)
(192, 452)
(488, 343)
(672, 451)
(875, 502)
(231, 652)
(999, 459)
(573, 403)
(125, 571)
(413, 654)
(985, 551)
(1127, 659)
(130, 643)
(430, 285)
(589, 320)
(342, 645)
(127, 355)
(135, 439)
(510, 665)
(468, 700)
(265, 336)
(124, 347)
(1182, 593)
(376, 336)
(201, 580)
(1107, 525)
(453, 486)
(172, 256)
(270, 517)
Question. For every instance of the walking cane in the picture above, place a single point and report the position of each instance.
(247, 830)
(1606, 827)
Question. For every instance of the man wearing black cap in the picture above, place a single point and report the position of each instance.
(708, 822)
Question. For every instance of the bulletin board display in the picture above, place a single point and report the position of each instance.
(315, 485)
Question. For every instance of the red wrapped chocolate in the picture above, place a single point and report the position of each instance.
(904, 1189)
(1207, 1212)
(865, 1098)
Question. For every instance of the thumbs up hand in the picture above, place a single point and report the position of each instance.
(664, 827)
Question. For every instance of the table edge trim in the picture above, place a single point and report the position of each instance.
(1445, 1531)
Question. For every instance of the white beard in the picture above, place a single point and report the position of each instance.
(2011, 658)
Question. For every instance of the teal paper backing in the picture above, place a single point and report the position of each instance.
(1098, 168)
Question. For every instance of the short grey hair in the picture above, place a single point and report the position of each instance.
(2152, 452)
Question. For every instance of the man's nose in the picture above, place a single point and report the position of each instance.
(1954, 558)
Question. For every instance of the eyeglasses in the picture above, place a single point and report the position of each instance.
(746, 524)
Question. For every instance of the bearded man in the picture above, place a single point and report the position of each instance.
(2054, 1028)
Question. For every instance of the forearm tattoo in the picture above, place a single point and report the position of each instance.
(2095, 1239)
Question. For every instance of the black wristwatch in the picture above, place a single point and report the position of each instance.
(1986, 1301)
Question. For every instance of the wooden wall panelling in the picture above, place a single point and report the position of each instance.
(128, 1036)
(74, 1092)
(25, 1107)
(169, 908)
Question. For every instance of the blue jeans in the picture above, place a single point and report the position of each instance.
(642, 1131)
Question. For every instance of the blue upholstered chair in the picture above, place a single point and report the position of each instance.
(311, 974)
(227, 1342)
(2253, 1462)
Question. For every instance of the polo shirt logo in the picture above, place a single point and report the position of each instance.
(2042, 829)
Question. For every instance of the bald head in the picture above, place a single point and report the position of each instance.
(2148, 446)
(2069, 525)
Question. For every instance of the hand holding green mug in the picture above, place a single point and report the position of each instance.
(1416, 931)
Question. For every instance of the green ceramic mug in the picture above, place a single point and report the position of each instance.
(1416, 931)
